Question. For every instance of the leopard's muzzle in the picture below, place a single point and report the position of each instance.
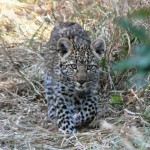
(81, 78)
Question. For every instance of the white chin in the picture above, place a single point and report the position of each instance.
(80, 89)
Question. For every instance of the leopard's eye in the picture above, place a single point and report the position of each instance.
(73, 66)
(90, 67)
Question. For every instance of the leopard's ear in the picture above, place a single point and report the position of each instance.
(98, 47)
(64, 47)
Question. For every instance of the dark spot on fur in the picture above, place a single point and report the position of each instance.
(67, 117)
(60, 111)
(71, 128)
(89, 109)
(72, 111)
(64, 107)
(63, 127)
(67, 126)
(67, 112)
(85, 109)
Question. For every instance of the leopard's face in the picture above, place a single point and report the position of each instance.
(80, 62)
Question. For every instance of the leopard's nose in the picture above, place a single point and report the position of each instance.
(81, 81)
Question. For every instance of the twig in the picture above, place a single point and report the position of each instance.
(130, 112)
(129, 45)
(22, 75)
(136, 96)
(110, 79)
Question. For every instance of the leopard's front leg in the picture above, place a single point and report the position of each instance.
(64, 113)
(88, 111)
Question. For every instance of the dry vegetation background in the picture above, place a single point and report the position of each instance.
(123, 121)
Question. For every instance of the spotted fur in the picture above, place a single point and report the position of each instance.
(72, 76)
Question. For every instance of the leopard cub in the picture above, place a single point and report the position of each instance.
(72, 76)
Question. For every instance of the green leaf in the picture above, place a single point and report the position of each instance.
(128, 25)
(116, 99)
(102, 63)
(141, 13)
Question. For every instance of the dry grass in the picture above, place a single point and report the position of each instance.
(25, 27)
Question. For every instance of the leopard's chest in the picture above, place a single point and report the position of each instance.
(72, 97)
